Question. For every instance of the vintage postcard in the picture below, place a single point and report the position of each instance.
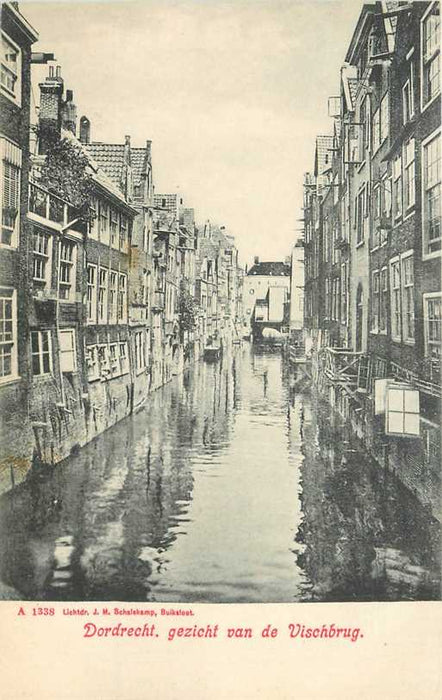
(220, 349)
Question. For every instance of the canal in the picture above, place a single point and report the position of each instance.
(231, 485)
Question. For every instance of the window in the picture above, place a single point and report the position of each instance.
(383, 301)
(94, 224)
(375, 301)
(92, 363)
(124, 365)
(112, 297)
(10, 194)
(408, 96)
(41, 352)
(395, 283)
(91, 294)
(431, 196)
(102, 296)
(140, 358)
(114, 363)
(360, 213)
(326, 240)
(68, 360)
(384, 118)
(114, 228)
(408, 298)
(327, 298)
(68, 251)
(344, 292)
(366, 120)
(409, 174)
(430, 66)
(122, 292)
(103, 361)
(103, 225)
(397, 186)
(10, 69)
(123, 233)
(402, 414)
(41, 267)
(8, 334)
(376, 130)
(433, 326)
(377, 206)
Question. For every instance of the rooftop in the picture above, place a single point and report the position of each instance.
(268, 269)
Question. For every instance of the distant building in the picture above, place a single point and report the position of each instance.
(261, 277)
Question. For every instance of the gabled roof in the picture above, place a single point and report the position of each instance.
(110, 157)
(323, 154)
(267, 269)
(98, 174)
(139, 163)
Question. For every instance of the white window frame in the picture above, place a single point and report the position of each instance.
(91, 295)
(428, 343)
(397, 187)
(45, 258)
(428, 60)
(94, 223)
(384, 118)
(15, 94)
(409, 167)
(375, 301)
(425, 143)
(114, 359)
(113, 296)
(103, 294)
(9, 295)
(140, 351)
(122, 298)
(383, 299)
(92, 366)
(69, 264)
(124, 363)
(104, 222)
(395, 289)
(40, 353)
(10, 156)
(68, 358)
(408, 340)
(410, 407)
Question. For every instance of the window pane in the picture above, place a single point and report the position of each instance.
(396, 400)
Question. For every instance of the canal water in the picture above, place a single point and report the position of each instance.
(231, 485)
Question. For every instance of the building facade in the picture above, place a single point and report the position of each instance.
(372, 243)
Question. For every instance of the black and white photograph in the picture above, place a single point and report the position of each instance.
(220, 302)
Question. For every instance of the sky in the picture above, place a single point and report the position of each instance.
(232, 95)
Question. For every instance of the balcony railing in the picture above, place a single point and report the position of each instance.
(49, 206)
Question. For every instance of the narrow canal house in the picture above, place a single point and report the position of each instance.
(167, 275)
(121, 264)
(387, 380)
(18, 36)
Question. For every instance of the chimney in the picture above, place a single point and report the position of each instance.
(149, 151)
(49, 118)
(85, 130)
(69, 113)
(256, 260)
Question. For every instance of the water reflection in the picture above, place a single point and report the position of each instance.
(229, 486)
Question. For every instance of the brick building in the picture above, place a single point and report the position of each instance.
(17, 39)
(372, 242)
